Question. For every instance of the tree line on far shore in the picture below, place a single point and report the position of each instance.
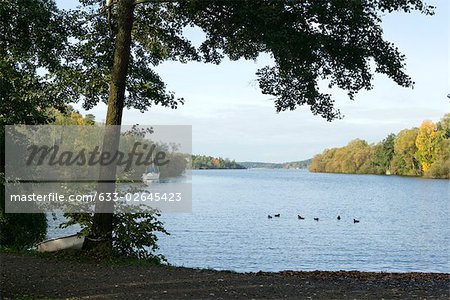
(302, 164)
(423, 151)
(210, 162)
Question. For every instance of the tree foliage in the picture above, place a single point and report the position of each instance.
(69, 116)
(210, 162)
(412, 152)
(427, 142)
(404, 161)
(33, 38)
(309, 41)
(302, 164)
(22, 231)
(353, 158)
(383, 153)
(135, 232)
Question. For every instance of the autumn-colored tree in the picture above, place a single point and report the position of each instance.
(427, 143)
(322, 162)
(440, 167)
(215, 162)
(359, 153)
(69, 116)
(413, 152)
(317, 164)
(353, 158)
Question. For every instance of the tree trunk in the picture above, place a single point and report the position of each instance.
(100, 237)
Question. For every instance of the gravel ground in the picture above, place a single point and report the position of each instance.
(28, 277)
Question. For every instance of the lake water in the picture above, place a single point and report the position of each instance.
(404, 222)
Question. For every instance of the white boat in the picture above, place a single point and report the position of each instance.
(74, 241)
(151, 175)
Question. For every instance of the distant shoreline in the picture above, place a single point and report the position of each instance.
(384, 175)
(336, 173)
(204, 162)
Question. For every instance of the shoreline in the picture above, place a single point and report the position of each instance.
(385, 175)
(56, 278)
(336, 173)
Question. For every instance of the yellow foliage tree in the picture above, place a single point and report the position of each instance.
(216, 162)
(427, 143)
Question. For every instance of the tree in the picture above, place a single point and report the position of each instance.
(357, 157)
(427, 143)
(409, 153)
(404, 161)
(89, 119)
(116, 48)
(354, 158)
(444, 126)
(383, 153)
(332, 40)
(32, 37)
(440, 167)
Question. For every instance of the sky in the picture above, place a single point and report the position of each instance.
(231, 118)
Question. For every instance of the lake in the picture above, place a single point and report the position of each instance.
(404, 222)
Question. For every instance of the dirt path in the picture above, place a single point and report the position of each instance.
(57, 279)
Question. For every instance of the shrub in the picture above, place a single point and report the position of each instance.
(439, 169)
(20, 231)
(134, 231)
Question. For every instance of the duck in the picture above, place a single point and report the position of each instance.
(316, 219)
(300, 217)
(269, 217)
(338, 217)
(355, 221)
(277, 215)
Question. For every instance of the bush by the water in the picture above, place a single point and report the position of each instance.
(20, 231)
(135, 231)
(17, 231)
